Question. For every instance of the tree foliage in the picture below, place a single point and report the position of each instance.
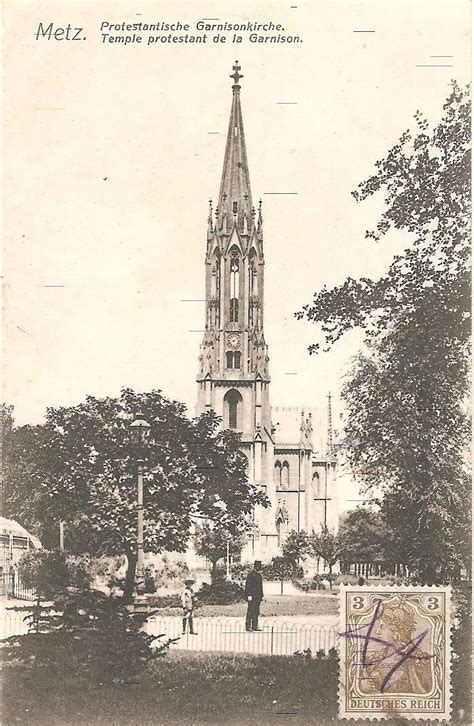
(284, 568)
(213, 541)
(295, 547)
(363, 536)
(44, 571)
(80, 467)
(406, 428)
(425, 179)
(327, 545)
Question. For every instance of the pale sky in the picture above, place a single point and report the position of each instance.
(109, 165)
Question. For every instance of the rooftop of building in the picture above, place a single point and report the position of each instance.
(293, 424)
(11, 527)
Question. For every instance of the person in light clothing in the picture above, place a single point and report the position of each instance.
(187, 602)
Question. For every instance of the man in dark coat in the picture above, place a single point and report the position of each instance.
(254, 595)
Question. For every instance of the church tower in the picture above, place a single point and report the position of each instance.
(233, 377)
(297, 474)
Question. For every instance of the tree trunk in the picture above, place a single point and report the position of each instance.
(213, 570)
(330, 576)
(130, 577)
(281, 585)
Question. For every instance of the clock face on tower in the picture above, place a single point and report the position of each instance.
(233, 340)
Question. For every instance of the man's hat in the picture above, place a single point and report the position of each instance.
(189, 581)
(257, 564)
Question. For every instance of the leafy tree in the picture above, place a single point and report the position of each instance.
(326, 545)
(213, 542)
(362, 536)
(83, 469)
(426, 181)
(24, 496)
(284, 568)
(406, 428)
(295, 546)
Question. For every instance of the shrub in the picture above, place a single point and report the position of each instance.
(149, 577)
(164, 601)
(240, 571)
(307, 585)
(87, 633)
(109, 571)
(169, 572)
(220, 592)
(346, 579)
(45, 571)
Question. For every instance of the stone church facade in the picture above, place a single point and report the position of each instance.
(290, 450)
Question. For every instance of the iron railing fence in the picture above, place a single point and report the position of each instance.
(220, 634)
(20, 592)
(276, 637)
(11, 586)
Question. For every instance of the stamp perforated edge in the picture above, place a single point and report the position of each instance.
(380, 716)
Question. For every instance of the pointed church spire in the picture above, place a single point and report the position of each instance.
(235, 196)
(330, 442)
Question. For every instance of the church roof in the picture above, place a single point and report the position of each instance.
(235, 181)
(287, 421)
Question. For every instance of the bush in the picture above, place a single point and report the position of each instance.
(45, 571)
(165, 601)
(149, 578)
(169, 572)
(240, 571)
(332, 656)
(87, 633)
(307, 585)
(220, 592)
(346, 579)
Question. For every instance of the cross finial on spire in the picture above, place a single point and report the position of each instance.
(236, 75)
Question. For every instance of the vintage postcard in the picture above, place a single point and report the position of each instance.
(236, 362)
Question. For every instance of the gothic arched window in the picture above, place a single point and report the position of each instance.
(233, 401)
(277, 474)
(279, 526)
(316, 486)
(216, 288)
(234, 286)
(233, 359)
(216, 275)
(252, 285)
(285, 475)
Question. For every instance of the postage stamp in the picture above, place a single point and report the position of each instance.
(395, 649)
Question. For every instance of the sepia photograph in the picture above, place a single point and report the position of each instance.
(236, 422)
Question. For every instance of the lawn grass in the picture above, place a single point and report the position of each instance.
(182, 689)
(273, 605)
